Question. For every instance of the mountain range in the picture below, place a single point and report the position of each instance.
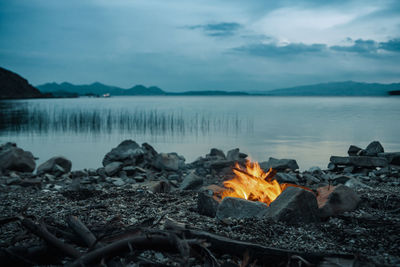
(347, 88)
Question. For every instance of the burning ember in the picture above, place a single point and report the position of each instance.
(254, 184)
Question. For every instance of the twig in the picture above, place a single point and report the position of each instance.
(81, 230)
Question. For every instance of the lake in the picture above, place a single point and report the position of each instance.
(308, 129)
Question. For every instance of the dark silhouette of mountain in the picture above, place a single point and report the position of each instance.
(13, 86)
(99, 89)
(348, 88)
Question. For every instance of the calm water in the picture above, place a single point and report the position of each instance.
(309, 129)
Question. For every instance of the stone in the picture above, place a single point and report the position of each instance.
(311, 179)
(92, 172)
(139, 178)
(127, 150)
(238, 208)
(360, 161)
(348, 169)
(191, 181)
(294, 205)
(355, 184)
(169, 161)
(336, 200)
(118, 181)
(354, 151)
(219, 164)
(56, 165)
(315, 170)
(79, 174)
(279, 164)
(113, 168)
(161, 187)
(392, 157)
(207, 204)
(217, 152)
(132, 170)
(340, 179)
(233, 154)
(16, 159)
(331, 166)
(282, 177)
(374, 148)
(101, 172)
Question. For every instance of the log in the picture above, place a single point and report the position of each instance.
(42, 232)
(224, 245)
(156, 242)
(81, 230)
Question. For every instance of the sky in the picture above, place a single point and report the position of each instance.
(183, 45)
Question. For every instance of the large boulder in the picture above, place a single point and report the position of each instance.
(334, 200)
(279, 164)
(354, 150)
(374, 148)
(14, 158)
(214, 152)
(56, 166)
(207, 204)
(113, 168)
(128, 150)
(294, 205)
(169, 161)
(238, 208)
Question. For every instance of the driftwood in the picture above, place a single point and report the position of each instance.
(176, 238)
(42, 232)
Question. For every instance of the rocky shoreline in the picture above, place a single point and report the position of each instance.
(137, 187)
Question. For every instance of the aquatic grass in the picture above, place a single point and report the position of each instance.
(153, 122)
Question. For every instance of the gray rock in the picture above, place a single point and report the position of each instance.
(132, 170)
(315, 170)
(113, 168)
(374, 148)
(354, 184)
(311, 179)
(340, 200)
(56, 165)
(79, 174)
(16, 159)
(169, 161)
(127, 150)
(91, 172)
(161, 187)
(191, 182)
(139, 178)
(348, 169)
(392, 157)
(101, 172)
(233, 154)
(282, 177)
(294, 205)
(118, 181)
(219, 164)
(354, 151)
(331, 166)
(360, 161)
(207, 204)
(238, 208)
(279, 164)
(217, 152)
(340, 179)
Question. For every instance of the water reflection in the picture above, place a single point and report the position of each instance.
(19, 118)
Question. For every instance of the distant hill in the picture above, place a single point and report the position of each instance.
(13, 86)
(348, 88)
(99, 89)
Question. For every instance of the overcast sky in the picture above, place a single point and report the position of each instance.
(183, 45)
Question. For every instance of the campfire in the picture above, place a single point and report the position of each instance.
(254, 184)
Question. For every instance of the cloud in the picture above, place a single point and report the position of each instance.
(222, 29)
(360, 46)
(391, 45)
(274, 50)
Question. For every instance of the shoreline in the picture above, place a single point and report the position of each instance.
(138, 184)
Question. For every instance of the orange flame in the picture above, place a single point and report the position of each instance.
(254, 184)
